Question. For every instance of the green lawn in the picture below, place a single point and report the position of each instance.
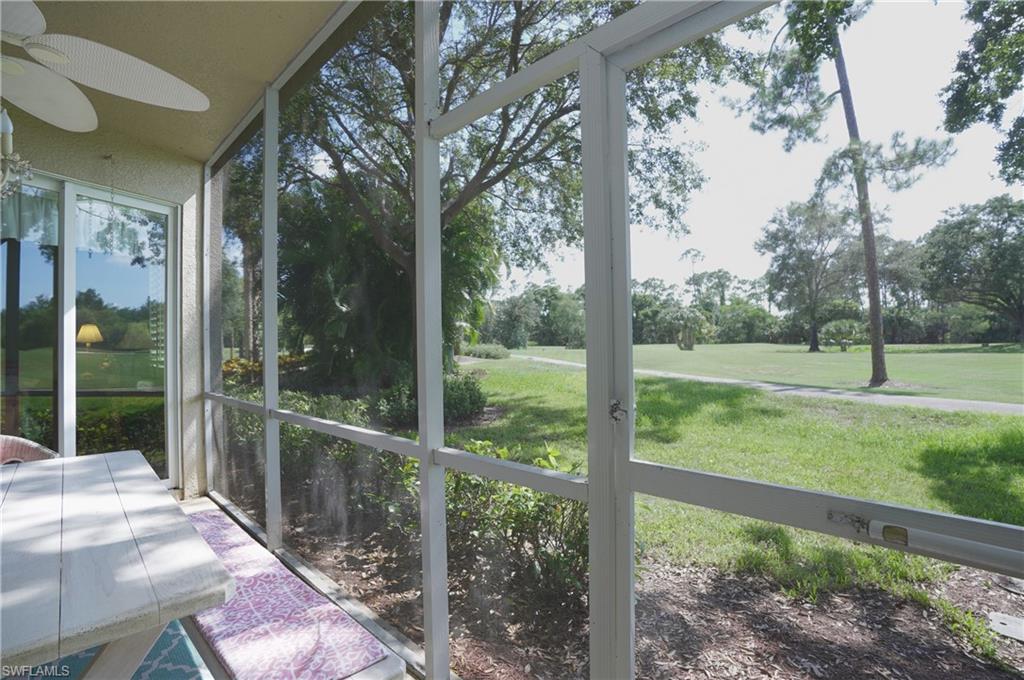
(964, 463)
(993, 373)
(104, 423)
(97, 369)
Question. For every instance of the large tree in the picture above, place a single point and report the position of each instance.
(710, 290)
(789, 97)
(241, 186)
(354, 128)
(809, 245)
(975, 254)
(656, 312)
(989, 76)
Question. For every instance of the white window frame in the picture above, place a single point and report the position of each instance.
(68, 190)
(602, 58)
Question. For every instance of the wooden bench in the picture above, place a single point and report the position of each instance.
(276, 625)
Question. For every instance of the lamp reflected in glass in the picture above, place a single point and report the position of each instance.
(88, 334)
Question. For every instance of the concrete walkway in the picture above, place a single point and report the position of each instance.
(878, 398)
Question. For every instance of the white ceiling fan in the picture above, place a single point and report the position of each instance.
(43, 87)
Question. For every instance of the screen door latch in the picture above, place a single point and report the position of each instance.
(616, 412)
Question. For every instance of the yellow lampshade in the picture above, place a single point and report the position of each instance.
(88, 334)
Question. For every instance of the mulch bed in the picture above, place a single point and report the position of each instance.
(692, 622)
(698, 622)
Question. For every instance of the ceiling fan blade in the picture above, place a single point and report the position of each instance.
(115, 72)
(21, 18)
(46, 95)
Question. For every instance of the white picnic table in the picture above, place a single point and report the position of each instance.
(95, 551)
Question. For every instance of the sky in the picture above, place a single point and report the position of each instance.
(899, 57)
(113, 276)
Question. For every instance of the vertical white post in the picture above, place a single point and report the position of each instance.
(206, 479)
(609, 366)
(429, 378)
(271, 427)
(66, 377)
(172, 342)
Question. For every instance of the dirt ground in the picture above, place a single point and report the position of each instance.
(692, 622)
(698, 622)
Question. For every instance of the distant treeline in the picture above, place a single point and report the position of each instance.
(122, 328)
(961, 282)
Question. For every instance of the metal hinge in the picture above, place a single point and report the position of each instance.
(616, 412)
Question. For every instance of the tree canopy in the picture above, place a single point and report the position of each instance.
(787, 95)
(989, 74)
(809, 244)
(975, 254)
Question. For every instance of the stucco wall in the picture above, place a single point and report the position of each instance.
(152, 173)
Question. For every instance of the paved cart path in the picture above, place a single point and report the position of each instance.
(939, 403)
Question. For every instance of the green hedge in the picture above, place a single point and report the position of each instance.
(464, 399)
(534, 540)
(487, 351)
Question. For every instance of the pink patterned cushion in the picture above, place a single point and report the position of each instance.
(276, 626)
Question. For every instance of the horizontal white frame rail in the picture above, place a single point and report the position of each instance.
(818, 511)
(703, 22)
(1000, 547)
(564, 484)
(234, 402)
(635, 26)
(352, 433)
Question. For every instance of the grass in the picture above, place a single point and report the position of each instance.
(97, 369)
(994, 373)
(966, 463)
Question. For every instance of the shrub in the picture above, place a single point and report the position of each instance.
(239, 372)
(396, 405)
(694, 327)
(843, 332)
(742, 321)
(541, 537)
(509, 321)
(487, 351)
(106, 424)
(540, 540)
(464, 399)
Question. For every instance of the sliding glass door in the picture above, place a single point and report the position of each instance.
(28, 294)
(120, 328)
(87, 324)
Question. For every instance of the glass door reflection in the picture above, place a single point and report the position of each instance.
(28, 295)
(121, 274)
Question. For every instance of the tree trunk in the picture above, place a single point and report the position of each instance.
(815, 342)
(248, 350)
(879, 374)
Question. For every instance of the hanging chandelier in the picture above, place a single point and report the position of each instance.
(14, 168)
